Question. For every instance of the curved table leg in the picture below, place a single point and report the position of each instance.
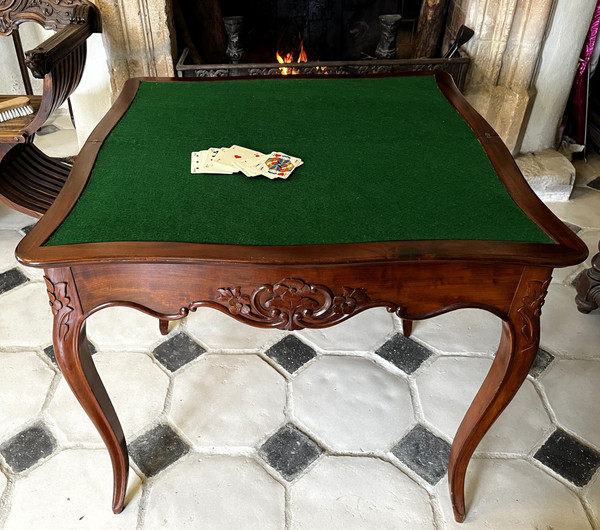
(407, 326)
(75, 361)
(163, 326)
(516, 352)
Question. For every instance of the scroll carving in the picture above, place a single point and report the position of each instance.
(294, 304)
(52, 14)
(60, 304)
(531, 310)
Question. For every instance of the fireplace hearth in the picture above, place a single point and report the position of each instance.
(304, 37)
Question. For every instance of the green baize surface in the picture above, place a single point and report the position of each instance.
(384, 159)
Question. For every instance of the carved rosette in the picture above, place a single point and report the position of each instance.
(53, 14)
(294, 304)
(531, 310)
(60, 304)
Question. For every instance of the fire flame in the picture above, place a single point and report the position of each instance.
(289, 58)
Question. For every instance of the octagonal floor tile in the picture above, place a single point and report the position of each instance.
(573, 389)
(461, 331)
(592, 496)
(228, 400)
(25, 317)
(354, 493)
(3, 483)
(10, 218)
(72, 490)
(503, 494)
(565, 331)
(582, 212)
(136, 386)
(123, 328)
(9, 239)
(363, 332)
(217, 331)
(352, 404)
(447, 388)
(216, 492)
(24, 380)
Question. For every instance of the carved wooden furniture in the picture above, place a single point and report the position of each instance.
(350, 230)
(588, 287)
(30, 180)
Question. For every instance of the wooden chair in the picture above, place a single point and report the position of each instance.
(29, 179)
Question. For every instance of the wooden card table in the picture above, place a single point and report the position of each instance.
(407, 200)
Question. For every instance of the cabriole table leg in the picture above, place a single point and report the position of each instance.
(75, 361)
(517, 350)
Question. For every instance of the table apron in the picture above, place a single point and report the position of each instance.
(293, 297)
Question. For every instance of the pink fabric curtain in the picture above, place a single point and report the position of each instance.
(578, 99)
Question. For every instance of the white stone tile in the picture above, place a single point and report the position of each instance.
(60, 143)
(363, 332)
(3, 483)
(573, 389)
(507, 494)
(582, 210)
(228, 400)
(25, 317)
(591, 494)
(355, 493)
(220, 492)
(136, 386)
(24, 383)
(72, 490)
(462, 331)
(9, 239)
(564, 330)
(447, 388)
(352, 404)
(123, 328)
(10, 218)
(217, 331)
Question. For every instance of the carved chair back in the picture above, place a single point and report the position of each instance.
(59, 61)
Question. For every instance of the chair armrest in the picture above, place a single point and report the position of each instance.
(84, 21)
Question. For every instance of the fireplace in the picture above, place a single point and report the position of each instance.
(310, 37)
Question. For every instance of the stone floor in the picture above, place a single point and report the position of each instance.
(232, 427)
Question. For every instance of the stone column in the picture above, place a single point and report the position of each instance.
(508, 39)
(137, 38)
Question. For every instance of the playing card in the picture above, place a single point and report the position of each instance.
(235, 154)
(198, 161)
(204, 162)
(279, 165)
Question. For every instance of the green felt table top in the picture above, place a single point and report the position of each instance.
(385, 159)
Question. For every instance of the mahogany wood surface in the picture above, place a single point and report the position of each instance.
(295, 287)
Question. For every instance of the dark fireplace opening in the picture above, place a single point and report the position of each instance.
(326, 30)
(318, 37)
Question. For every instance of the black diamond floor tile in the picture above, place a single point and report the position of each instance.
(540, 363)
(27, 229)
(569, 458)
(11, 279)
(291, 353)
(157, 449)
(28, 447)
(177, 352)
(49, 351)
(594, 183)
(289, 451)
(576, 229)
(424, 453)
(405, 353)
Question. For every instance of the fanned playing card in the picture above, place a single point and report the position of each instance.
(279, 165)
